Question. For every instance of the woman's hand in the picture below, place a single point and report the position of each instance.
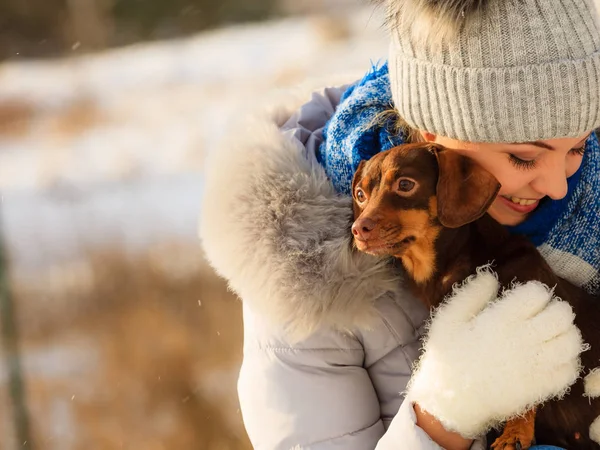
(487, 359)
(448, 440)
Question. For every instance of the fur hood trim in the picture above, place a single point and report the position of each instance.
(274, 227)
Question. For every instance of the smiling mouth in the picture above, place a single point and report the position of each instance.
(521, 201)
(520, 206)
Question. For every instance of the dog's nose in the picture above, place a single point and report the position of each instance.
(363, 228)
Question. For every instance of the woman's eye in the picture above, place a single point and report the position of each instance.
(531, 163)
(522, 163)
(579, 151)
(360, 195)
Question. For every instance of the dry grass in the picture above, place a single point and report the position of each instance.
(163, 356)
(332, 28)
(82, 115)
(15, 118)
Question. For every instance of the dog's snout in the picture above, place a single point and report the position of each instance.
(363, 228)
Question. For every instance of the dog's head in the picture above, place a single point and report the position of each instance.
(403, 197)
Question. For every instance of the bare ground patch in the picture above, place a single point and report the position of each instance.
(147, 361)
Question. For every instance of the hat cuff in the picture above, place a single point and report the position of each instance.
(506, 104)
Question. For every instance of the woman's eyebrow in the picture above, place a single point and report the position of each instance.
(543, 145)
(537, 144)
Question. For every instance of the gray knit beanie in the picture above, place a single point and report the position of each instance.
(496, 70)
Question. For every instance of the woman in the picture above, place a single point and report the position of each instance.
(330, 335)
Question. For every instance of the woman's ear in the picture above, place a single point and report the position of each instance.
(428, 137)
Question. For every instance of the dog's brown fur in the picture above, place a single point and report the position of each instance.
(441, 233)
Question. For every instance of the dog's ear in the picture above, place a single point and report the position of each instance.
(355, 180)
(465, 190)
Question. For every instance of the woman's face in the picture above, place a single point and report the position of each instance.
(528, 172)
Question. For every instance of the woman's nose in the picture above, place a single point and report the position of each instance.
(552, 182)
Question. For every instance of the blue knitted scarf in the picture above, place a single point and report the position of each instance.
(567, 231)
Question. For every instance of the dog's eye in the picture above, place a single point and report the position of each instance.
(360, 195)
(406, 185)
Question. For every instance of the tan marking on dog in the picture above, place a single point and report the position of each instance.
(591, 383)
(419, 258)
(446, 279)
(389, 177)
(433, 205)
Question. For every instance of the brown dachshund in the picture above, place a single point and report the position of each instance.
(426, 206)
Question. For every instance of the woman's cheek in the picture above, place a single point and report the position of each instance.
(512, 184)
(510, 179)
(573, 165)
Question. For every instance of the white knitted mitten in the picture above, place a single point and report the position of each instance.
(488, 358)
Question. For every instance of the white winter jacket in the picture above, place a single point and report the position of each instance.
(329, 334)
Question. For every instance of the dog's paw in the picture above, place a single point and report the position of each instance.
(518, 434)
(513, 441)
(505, 445)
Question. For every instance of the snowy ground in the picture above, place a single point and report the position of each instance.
(108, 149)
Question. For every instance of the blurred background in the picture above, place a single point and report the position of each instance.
(115, 332)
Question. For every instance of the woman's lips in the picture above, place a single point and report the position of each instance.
(523, 209)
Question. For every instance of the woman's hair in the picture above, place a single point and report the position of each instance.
(396, 124)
